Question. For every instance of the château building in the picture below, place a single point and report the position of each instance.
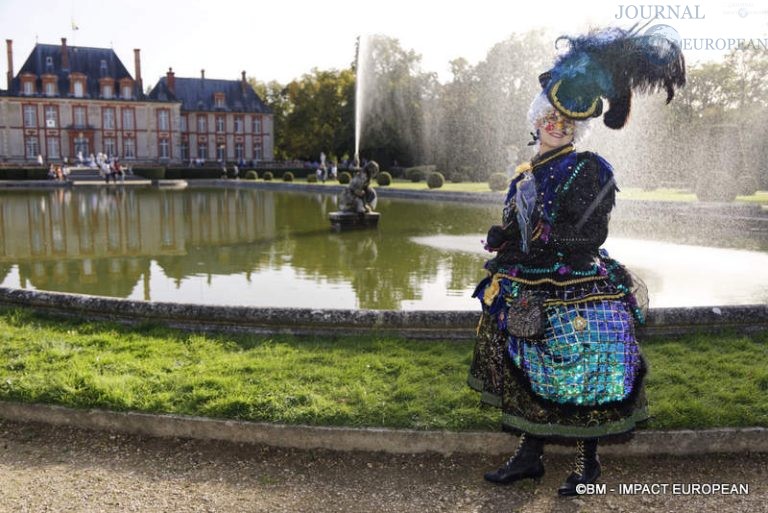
(70, 100)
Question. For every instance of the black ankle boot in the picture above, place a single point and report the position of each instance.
(525, 463)
(586, 469)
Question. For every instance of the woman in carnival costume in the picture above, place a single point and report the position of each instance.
(556, 345)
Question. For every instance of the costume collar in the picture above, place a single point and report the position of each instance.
(542, 159)
(539, 160)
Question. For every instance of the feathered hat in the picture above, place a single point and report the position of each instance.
(612, 64)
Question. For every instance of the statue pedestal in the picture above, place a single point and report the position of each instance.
(351, 220)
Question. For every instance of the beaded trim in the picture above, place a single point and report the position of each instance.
(566, 186)
(550, 280)
(593, 271)
(585, 299)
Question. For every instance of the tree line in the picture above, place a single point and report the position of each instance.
(475, 123)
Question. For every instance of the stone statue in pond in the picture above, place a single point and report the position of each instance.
(359, 197)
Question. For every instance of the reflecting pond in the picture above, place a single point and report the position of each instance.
(266, 248)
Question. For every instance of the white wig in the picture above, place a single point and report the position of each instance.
(540, 109)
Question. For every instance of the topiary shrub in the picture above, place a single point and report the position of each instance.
(312, 178)
(414, 174)
(251, 175)
(435, 180)
(498, 182)
(384, 178)
(287, 176)
(747, 185)
(344, 177)
(716, 188)
(267, 176)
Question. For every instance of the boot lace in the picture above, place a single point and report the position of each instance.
(517, 450)
(578, 466)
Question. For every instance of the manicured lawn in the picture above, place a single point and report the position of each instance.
(697, 381)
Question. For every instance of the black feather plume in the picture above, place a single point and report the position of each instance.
(613, 63)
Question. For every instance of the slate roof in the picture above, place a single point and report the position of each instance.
(82, 59)
(197, 94)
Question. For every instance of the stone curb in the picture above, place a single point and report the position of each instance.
(395, 441)
(438, 325)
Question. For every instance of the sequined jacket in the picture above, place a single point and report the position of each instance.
(575, 195)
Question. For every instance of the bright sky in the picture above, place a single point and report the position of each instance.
(283, 39)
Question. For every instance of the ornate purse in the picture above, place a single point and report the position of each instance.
(526, 315)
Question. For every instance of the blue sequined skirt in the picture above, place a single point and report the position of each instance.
(588, 355)
(583, 377)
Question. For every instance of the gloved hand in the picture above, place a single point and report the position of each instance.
(498, 237)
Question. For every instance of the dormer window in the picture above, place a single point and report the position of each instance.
(28, 84)
(77, 85)
(49, 85)
(218, 100)
(126, 88)
(107, 86)
(49, 64)
(103, 69)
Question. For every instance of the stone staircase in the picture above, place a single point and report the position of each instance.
(91, 174)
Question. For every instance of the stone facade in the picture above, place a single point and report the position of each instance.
(69, 100)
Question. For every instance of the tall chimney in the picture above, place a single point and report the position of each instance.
(9, 44)
(244, 84)
(64, 54)
(170, 80)
(137, 67)
(202, 73)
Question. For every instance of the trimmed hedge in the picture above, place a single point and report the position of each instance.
(435, 180)
(206, 173)
(498, 182)
(251, 175)
(455, 177)
(174, 173)
(419, 173)
(312, 178)
(384, 179)
(267, 176)
(150, 173)
(344, 177)
(287, 176)
(24, 173)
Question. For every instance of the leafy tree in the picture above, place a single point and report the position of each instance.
(275, 97)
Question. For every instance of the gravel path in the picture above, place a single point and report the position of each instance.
(47, 469)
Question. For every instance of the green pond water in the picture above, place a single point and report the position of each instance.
(266, 248)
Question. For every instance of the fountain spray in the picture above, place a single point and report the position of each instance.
(360, 77)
